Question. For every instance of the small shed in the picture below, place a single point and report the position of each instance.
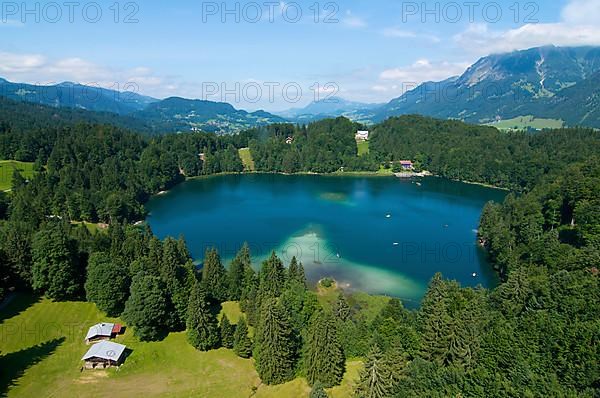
(104, 355)
(103, 331)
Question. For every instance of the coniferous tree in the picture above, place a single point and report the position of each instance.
(272, 277)
(296, 272)
(433, 320)
(237, 273)
(227, 332)
(324, 359)
(242, 345)
(375, 378)
(341, 309)
(251, 303)
(176, 272)
(202, 328)
(214, 277)
(275, 344)
(146, 310)
(249, 299)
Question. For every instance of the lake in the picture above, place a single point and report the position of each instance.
(382, 235)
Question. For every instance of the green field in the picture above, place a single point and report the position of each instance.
(41, 344)
(7, 168)
(92, 227)
(247, 160)
(363, 147)
(524, 122)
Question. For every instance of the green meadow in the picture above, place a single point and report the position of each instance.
(525, 122)
(7, 169)
(42, 344)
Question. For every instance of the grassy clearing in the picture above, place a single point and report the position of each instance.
(232, 310)
(525, 122)
(363, 147)
(247, 160)
(92, 227)
(7, 168)
(41, 344)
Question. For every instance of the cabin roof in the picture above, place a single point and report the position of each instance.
(100, 330)
(105, 350)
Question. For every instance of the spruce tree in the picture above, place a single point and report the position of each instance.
(275, 345)
(250, 287)
(214, 277)
(375, 379)
(324, 359)
(296, 272)
(202, 328)
(242, 345)
(434, 321)
(341, 309)
(173, 274)
(237, 273)
(272, 277)
(227, 332)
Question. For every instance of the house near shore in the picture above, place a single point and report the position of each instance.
(362, 136)
(289, 140)
(407, 165)
(103, 331)
(104, 355)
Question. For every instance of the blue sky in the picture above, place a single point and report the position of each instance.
(368, 51)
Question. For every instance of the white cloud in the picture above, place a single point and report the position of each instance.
(38, 69)
(423, 71)
(578, 27)
(20, 63)
(584, 12)
(407, 34)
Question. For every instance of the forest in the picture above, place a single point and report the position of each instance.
(536, 335)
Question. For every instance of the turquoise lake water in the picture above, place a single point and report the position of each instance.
(381, 235)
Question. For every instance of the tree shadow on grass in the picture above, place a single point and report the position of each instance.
(15, 304)
(15, 364)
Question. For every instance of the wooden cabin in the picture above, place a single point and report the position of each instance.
(104, 355)
(103, 331)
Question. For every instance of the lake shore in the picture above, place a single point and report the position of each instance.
(378, 174)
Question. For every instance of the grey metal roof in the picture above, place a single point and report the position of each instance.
(100, 330)
(105, 350)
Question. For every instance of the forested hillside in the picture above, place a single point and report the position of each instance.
(461, 151)
(321, 147)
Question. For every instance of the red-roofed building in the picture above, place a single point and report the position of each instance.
(407, 164)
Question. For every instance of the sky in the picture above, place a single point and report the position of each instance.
(275, 55)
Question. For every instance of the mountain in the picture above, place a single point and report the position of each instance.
(180, 114)
(329, 108)
(72, 95)
(548, 82)
(25, 116)
(139, 112)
